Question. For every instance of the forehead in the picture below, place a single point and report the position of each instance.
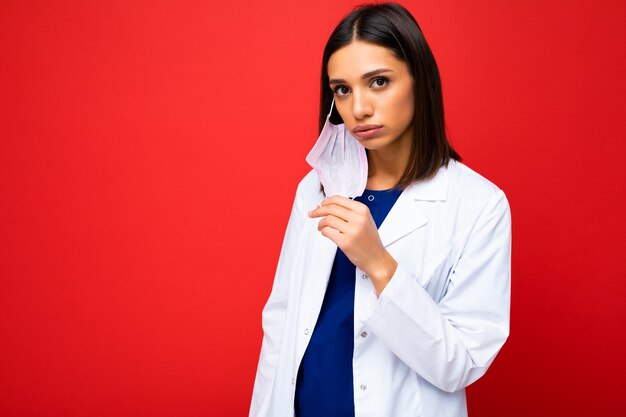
(358, 57)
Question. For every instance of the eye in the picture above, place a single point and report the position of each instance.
(380, 81)
(339, 90)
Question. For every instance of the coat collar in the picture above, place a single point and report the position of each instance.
(433, 189)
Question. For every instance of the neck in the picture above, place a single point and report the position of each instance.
(386, 165)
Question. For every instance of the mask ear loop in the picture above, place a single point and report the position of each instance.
(331, 108)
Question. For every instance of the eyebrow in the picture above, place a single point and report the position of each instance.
(364, 76)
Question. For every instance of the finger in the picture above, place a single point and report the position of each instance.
(342, 201)
(335, 223)
(334, 235)
(334, 210)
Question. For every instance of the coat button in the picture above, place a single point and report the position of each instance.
(363, 387)
(370, 197)
(363, 334)
(306, 331)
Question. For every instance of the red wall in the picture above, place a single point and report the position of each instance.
(149, 154)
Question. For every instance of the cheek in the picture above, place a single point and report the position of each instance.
(404, 108)
(344, 113)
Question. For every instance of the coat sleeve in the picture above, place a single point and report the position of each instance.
(452, 343)
(274, 315)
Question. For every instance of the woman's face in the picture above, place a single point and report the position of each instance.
(373, 89)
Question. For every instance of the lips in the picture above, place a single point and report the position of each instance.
(363, 128)
(366, 131)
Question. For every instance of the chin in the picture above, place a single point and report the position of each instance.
(373, 143)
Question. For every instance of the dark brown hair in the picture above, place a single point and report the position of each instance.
(392, 26)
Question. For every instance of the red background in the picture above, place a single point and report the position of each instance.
(150, 152)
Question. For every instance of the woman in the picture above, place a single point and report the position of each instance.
(391, 303)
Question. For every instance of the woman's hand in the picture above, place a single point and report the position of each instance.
(350, 225)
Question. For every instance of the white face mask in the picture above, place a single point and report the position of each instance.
(339, 160)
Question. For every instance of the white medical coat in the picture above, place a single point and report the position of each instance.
(437, 325)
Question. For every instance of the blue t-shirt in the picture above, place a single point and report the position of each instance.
(324, 385)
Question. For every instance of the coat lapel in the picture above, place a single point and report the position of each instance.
(405, 215)
(403, 218)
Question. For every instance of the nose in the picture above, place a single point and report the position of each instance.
(361, 105)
